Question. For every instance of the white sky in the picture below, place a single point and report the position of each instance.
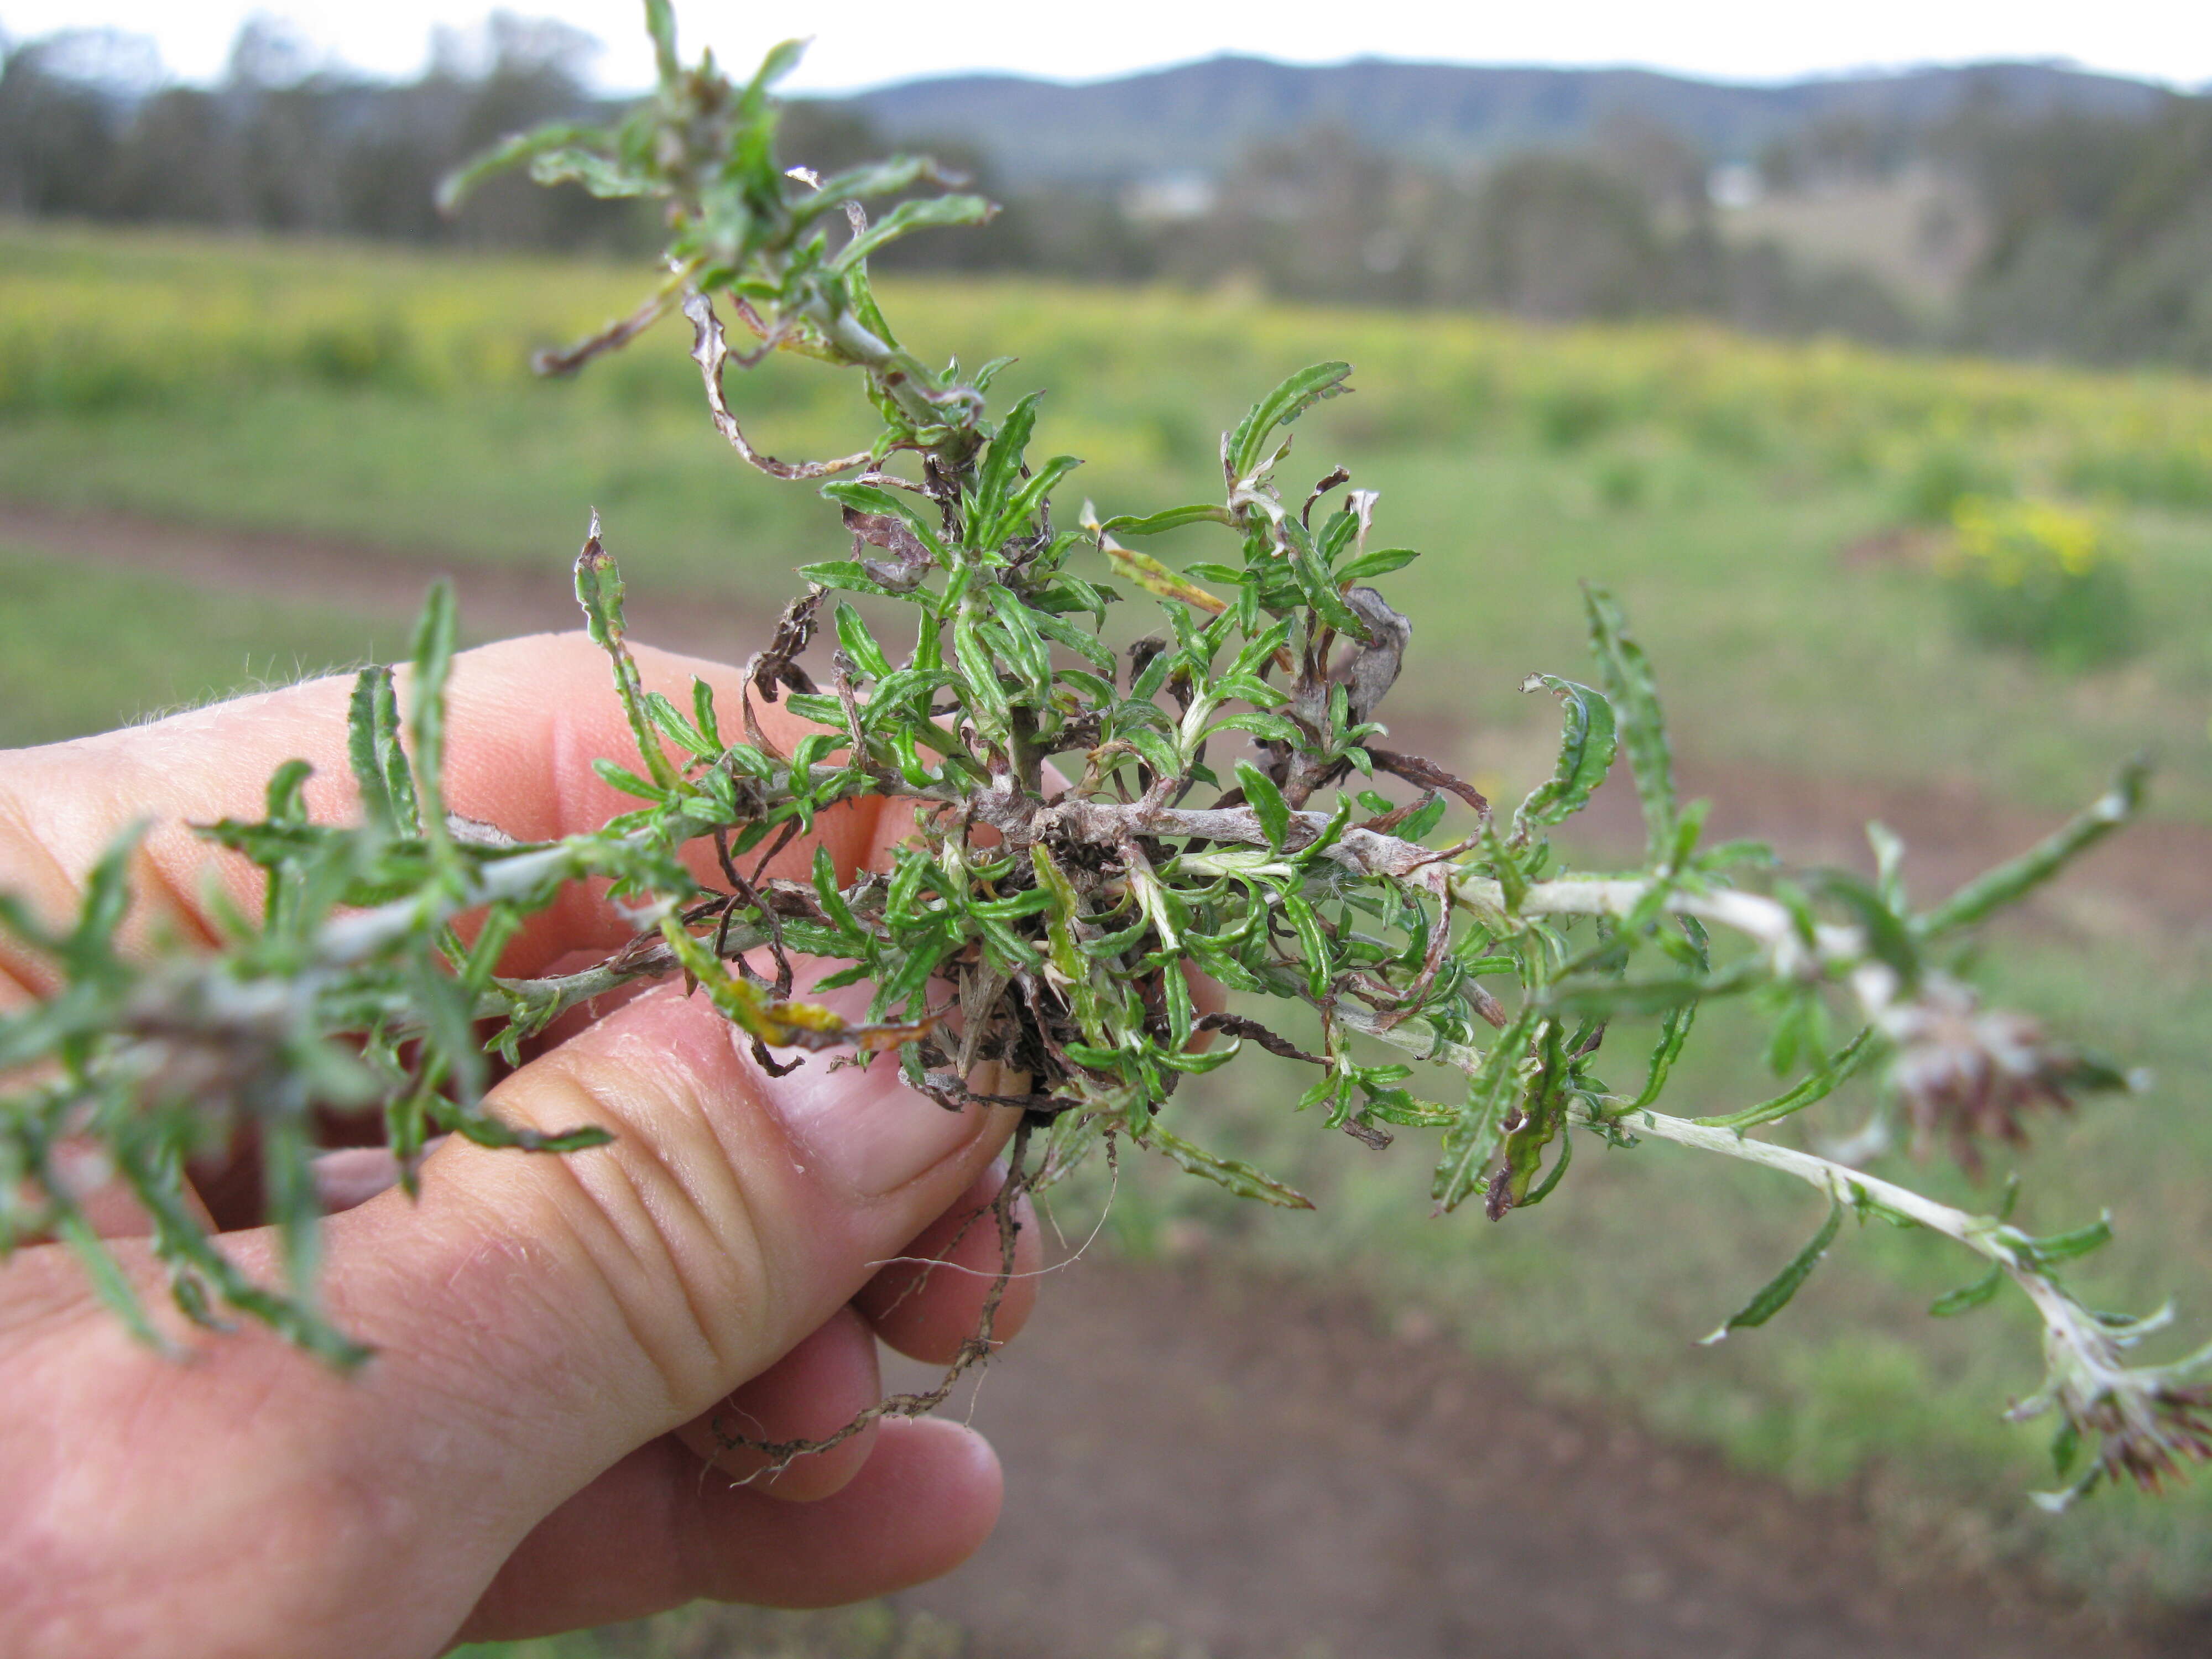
(867, 42)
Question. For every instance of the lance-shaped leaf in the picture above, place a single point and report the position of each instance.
(1838, 1068)
(1635, 697)
(660, 24)
(1775, 1295)
(1024, 504)
(2012, 880)
(1588, 741)
(599, 591)
(1232, 1173)
(437, 635)
(1173, 518)
(1000, 474)
(456, 186)
(1979, 1293)
(1245, 446)
(908, 216)
(1266, 803)
(378, 757)
(1155, 578)
(1471, 1141)
(2049, 1251)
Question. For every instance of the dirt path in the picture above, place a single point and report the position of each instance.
(1202, 1464)
(2155, 879)
(496, 602)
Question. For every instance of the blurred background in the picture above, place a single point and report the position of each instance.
(1880, 396)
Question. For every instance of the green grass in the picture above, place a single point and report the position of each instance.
(378, 397)
(85, 650)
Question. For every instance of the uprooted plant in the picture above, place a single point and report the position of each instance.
(1222, 821)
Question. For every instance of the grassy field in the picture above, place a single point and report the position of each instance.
(1765, 511)
(369, 395)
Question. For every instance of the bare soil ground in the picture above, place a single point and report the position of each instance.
(496, 602)
(2155, 879)
(1203, 1463)
(1252, 1468)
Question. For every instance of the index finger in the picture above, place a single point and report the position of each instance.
(526, 719)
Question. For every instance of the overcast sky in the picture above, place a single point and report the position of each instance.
(865, 42)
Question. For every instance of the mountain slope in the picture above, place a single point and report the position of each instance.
(1200, 116)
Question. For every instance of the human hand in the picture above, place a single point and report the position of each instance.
(529, 1449)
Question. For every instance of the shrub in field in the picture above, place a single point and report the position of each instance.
(2036, 576)
(1945, 475)
(1099, 818)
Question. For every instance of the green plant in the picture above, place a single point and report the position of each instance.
(2034, 576)
(1228, 817)
(1945, 474)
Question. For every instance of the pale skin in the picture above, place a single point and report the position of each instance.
(530, 1451)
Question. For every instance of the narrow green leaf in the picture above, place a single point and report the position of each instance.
(1233, 1173)
(1314, 943)
(389, 755)
(1473, 1141)
(599, 591)
(1086, 646)
(996, 479)
(627, 781)
(2010, 881)
(666, 716)
(1967, 1298)
(456, 186)
(1673, 1032)
(1635, 697)
(1266, 803)
(660, 24)
(1247, 444)
(922, 214)
(854, 184)
(109, 1282)
(859, 644)
(1275, 728)
(1027, 501)
(1841, 1066)
(437, 635)
(2050, 1251)
(1173, 518)
(1776, 1294)
(365, 747)
(702, 712)
(1381, 563)
(1544, 1188)
(851, 576)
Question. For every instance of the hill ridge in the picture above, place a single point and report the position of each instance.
(1200, 115)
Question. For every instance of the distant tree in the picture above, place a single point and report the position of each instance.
(57, 123)
(1559, 237)
(2100, 234)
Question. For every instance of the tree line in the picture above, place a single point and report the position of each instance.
(2097, 244)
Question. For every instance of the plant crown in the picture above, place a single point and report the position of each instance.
(1221, 821)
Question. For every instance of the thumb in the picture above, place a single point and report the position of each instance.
(610, 1295)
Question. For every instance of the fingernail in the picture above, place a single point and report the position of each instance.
(862, 1130)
